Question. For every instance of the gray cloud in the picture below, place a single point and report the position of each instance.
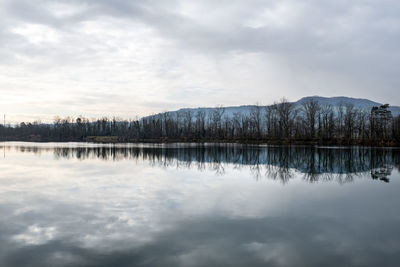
(264, 47)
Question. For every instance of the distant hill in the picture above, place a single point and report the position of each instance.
(335, 102)
(356, 102)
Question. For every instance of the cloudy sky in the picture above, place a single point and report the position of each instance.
(133, 58)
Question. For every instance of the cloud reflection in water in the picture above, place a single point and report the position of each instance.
(173, 206)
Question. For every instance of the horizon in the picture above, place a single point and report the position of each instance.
(53, 118)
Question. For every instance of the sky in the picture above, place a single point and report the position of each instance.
(134, 58)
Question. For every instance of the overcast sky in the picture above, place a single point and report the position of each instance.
(133, 58)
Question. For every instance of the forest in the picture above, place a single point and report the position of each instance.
(282, 122)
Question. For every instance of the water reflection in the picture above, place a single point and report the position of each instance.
(187, 205)
(273, 162)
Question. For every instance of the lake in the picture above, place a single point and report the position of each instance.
(77, 204)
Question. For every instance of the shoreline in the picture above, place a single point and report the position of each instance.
(309, 142)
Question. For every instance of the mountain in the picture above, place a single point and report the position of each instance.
(360, 103)
(335, 102)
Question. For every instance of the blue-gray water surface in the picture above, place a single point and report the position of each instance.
(75, 204)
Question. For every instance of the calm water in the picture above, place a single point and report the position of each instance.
(187, 205)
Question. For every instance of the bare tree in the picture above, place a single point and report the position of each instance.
(327, 121)
(216, 121)
(187, 122)
(271, 119)
(349, 121)
(286, 114)
(255, 116)
(311, 109)
(200, 123)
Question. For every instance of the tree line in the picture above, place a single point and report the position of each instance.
(281, 122)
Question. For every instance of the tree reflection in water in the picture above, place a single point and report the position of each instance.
(273, 162)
